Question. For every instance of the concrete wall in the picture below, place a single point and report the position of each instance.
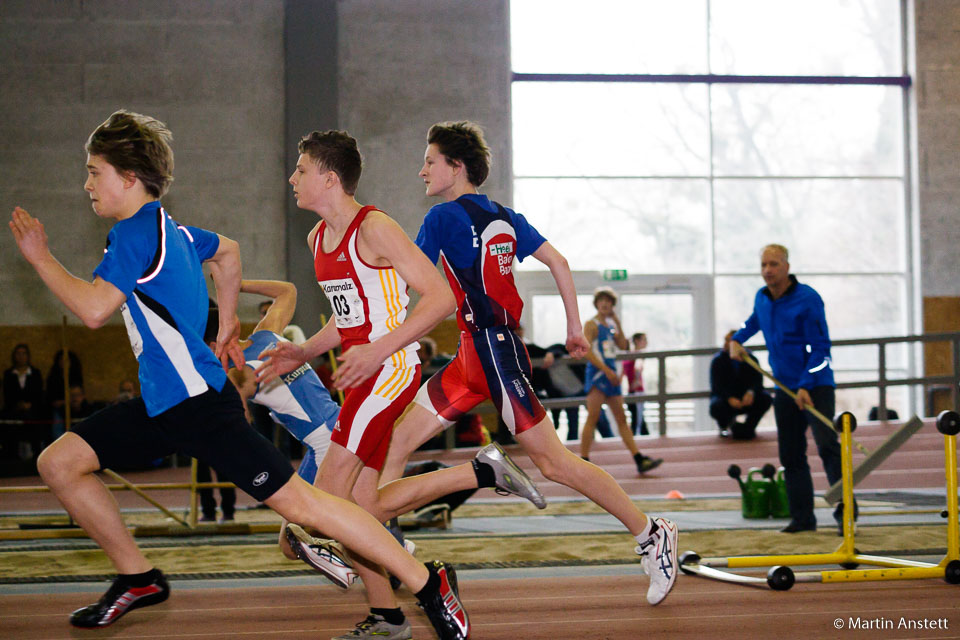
(212, 70)
(406, 64)
(938, 127)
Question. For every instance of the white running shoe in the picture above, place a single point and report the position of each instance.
(326, 556)
(376, 627)
(509, 477)
(659, 561)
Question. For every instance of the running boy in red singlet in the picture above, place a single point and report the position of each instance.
(363, 262)
(476, 241)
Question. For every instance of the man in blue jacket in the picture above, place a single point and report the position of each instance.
(791, 317)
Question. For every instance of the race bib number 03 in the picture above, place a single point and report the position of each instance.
(345, 300)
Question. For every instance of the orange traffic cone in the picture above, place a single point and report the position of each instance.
(673, 494)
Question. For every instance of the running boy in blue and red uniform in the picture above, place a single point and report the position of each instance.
(476, 241)
(151, 271)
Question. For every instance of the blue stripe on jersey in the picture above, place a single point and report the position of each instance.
(297, 400)
(156, 265)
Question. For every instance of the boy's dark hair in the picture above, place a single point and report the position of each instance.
(463, 142)
(638, 336)
(335, 151)
(138, 144)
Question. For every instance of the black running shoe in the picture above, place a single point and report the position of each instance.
(119, 599)
(646, 463)
(443, 607)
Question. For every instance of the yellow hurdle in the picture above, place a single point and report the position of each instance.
(781, 577)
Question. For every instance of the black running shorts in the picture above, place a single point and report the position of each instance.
(210, 427)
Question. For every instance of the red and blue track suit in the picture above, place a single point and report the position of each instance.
(476, 241)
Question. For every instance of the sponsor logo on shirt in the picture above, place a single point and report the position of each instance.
(519, 388)
(503, 251)
(261, 478)
(296, 373)
(341, 257)
(337, 286)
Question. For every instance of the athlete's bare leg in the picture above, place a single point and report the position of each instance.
(339, 472)
(561, 465)
(67, 466)
(345, 521)
(619, 415)
(595, 400)
(416, 427)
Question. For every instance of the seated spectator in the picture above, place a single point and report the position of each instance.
(633, 372)
(126, 390)
(736, 388)
(23, 400)
(875, 414)
(431, 360)
(80, 407)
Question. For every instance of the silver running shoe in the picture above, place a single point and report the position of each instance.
(376, 627)
(326, 556)
(510, 478)
(659, 561)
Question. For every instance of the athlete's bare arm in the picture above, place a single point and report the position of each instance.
(577, 345)
(590, 332)
(618, 337)
(382, 242)
(287, 356)
(226, 272)
(284, 296)
(92, 302)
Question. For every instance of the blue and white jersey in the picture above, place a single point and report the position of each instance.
(156, 263)
(605, 346)
(297, 400)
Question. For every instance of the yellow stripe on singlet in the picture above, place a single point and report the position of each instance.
(396, 372)
(401, 384)
(391, 296)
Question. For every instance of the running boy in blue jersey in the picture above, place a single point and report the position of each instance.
(602, 382)
(151, 271)
(476, 241)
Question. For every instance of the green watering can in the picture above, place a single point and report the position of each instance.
(755, 490)
(779, 506)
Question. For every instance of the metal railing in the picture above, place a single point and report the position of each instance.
(882, 383)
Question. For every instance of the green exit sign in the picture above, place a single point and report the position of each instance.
(615, 274)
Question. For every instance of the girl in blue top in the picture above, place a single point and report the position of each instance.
(602, 382)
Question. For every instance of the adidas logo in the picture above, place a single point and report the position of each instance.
(341, 257)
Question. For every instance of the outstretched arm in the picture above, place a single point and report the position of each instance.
(225, 269)
(577, 345)
(92, 302)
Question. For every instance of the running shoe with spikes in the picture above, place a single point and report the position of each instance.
(376, 627)
(511, 480)
(326, 556)
(119, 599)
(443, 606)
(659, 560)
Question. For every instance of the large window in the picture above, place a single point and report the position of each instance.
(680, 137)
